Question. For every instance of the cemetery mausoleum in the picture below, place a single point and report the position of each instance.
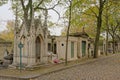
(34, 49)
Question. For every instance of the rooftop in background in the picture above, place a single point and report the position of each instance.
(80, 34)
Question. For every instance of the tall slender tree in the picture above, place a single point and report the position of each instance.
(99, 24)
(69, 24)
(111, 21)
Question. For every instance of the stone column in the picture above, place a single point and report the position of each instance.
(78, 48)
(31, 54)
(15, 51)
(86, 48)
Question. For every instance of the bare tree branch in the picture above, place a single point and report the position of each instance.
(38, 4)
(88, 14)
(110, 33)
(96, 5)
(28, 5)
(93, 12)
(51, 8)
(22, 2)
(47, 8)
(78, 2)
(57, 13)
(117, 36)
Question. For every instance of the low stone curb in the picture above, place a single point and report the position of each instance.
(67, 67)
(63, 68)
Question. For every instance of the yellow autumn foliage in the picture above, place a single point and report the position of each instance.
(8, 35)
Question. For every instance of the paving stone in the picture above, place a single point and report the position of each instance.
(102, 69)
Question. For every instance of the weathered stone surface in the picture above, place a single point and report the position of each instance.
(101, 69)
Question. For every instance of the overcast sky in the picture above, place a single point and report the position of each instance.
(5, 14)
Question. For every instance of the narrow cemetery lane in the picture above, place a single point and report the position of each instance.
(107, 68)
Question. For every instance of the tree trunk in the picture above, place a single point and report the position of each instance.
(106, 51)
(68, 32)
(27, 13)
(97, 37)
(107, 26)
(99, 24)
(113, 43)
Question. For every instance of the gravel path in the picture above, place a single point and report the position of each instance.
(107, 68)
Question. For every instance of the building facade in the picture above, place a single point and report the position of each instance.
(37, 44)
(110, 45)
(80, 45)
(34, 44)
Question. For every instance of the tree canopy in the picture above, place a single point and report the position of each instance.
(2, 2)
(96, 16)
